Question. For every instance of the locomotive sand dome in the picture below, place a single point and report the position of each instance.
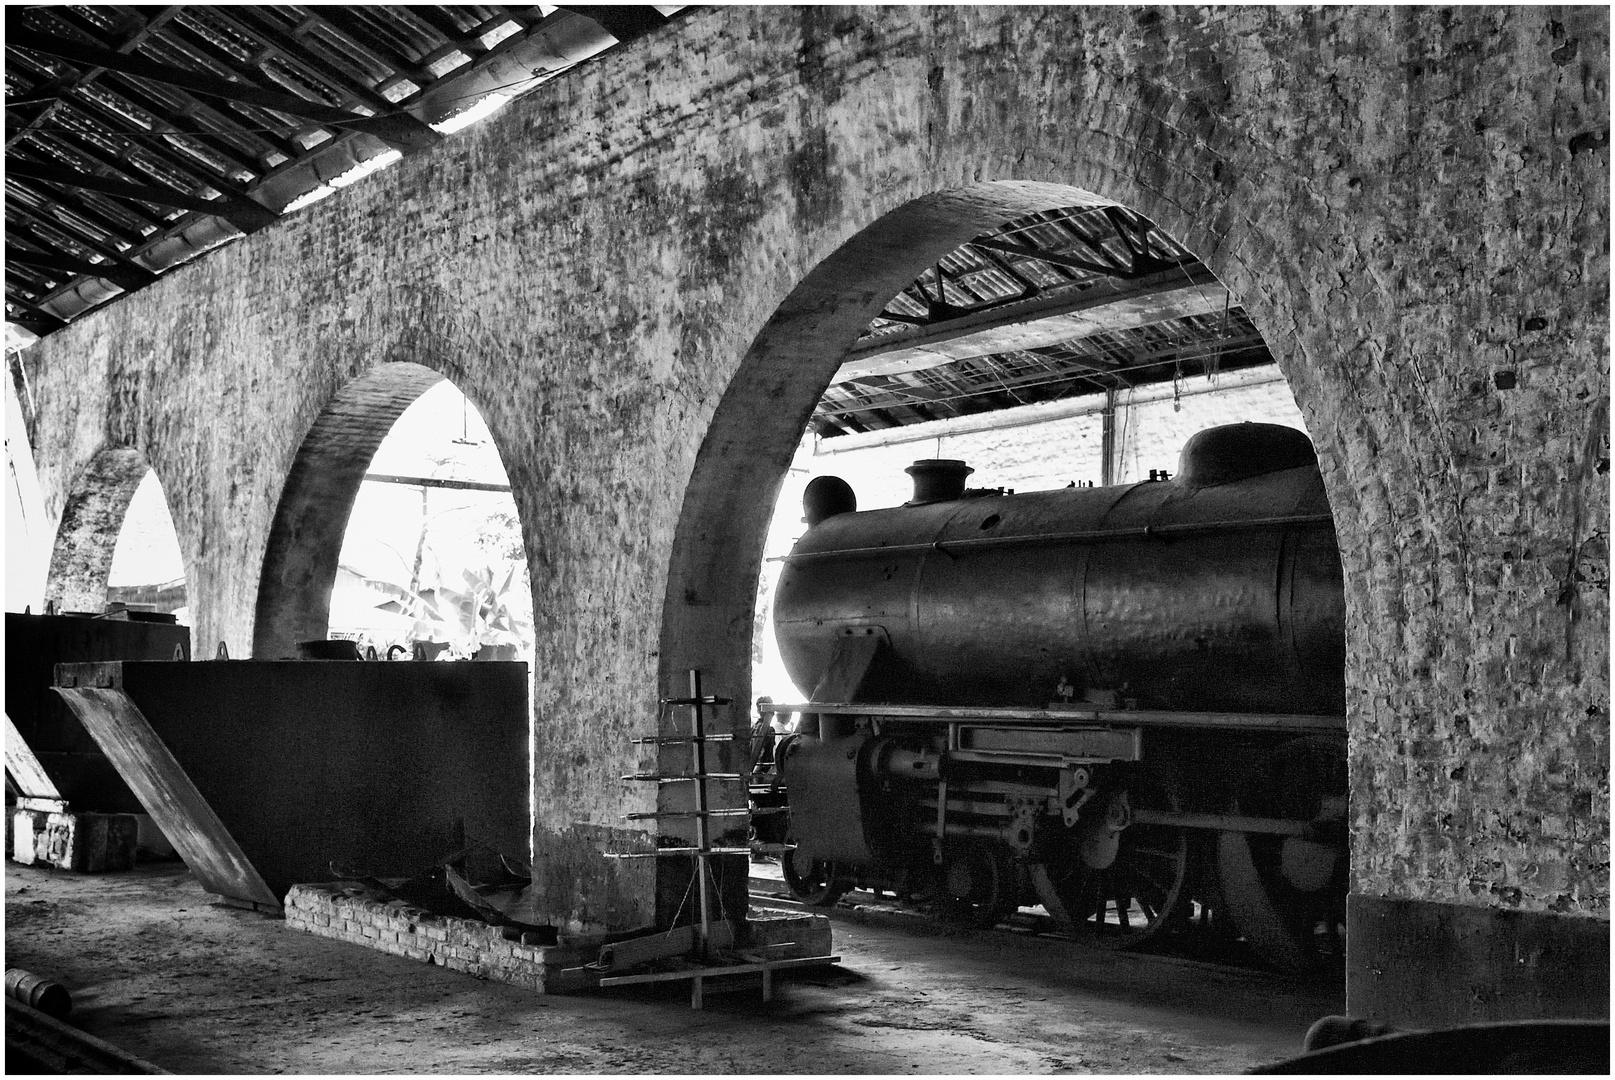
(1126, 703)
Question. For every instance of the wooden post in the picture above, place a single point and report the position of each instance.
(698, 730)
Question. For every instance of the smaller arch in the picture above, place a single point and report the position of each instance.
(87, 535)
(305, 539)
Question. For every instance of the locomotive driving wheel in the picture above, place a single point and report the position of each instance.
(1286, 895)
(975, 886)
(1119, 882)
(812, 881)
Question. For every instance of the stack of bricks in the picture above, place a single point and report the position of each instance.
(363, 917)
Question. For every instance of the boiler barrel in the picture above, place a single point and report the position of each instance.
(1174, 595)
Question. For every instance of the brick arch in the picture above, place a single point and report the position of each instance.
(305, 537)
(717, 549)
(707, 613)
(87, 535)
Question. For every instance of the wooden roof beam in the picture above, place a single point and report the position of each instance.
(127, 278)
(243, 213)
(185, 123)
(58, 88)
(65, 213)
(291, 52)
(1053, 258)
(16, 132)
(342, 23)
(396, 128)
(170, 155)
(625, 22)
(81, 154)
(33, 319)
(24, 223)
(1189, 290)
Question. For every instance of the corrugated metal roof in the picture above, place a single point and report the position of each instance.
(138, 138)
(1051, 263)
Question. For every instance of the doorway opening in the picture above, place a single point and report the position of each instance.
(147, 574)
(115, 550)
(1071, 345)
(432, 560)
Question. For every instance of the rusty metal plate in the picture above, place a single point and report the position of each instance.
(127, 739)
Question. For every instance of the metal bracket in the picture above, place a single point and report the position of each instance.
(1074, 792)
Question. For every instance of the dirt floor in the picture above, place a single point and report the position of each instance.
(157, 968)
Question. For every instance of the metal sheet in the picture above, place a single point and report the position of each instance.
(69, 757)
(827, 818)
(380, 766)
(167, 794)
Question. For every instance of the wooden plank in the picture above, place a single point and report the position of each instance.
(433, 482)
(715, 970)
(168, 795)
(27, 774)
(674, 942)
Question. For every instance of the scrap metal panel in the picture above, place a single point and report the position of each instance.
(385, 767)
(72, 762)
(168, 795)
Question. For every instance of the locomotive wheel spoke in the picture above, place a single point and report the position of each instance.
(1151, 870)
(1124, 911)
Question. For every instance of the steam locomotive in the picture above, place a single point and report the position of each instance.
(1124, 703)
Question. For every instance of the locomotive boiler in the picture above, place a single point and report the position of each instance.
(1124, 703)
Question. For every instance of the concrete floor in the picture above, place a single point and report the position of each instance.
(158, 969)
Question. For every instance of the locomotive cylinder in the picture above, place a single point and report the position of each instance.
(1217, 590)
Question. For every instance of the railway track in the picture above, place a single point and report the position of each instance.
(1195, 945)
(41, 1044)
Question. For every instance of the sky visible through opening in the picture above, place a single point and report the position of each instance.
(417, 563)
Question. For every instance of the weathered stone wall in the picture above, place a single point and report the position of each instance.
(1412, 204)
(87, 529)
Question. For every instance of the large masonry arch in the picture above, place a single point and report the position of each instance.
(294, 596)
(87, 534)
(1413, 207)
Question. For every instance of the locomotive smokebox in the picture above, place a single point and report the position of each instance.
(938, 480)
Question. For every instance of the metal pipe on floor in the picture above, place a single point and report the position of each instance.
(46, 995)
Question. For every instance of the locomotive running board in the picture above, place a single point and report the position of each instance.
(1056, 714)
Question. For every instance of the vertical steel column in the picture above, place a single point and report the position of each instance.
(1109, 452)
